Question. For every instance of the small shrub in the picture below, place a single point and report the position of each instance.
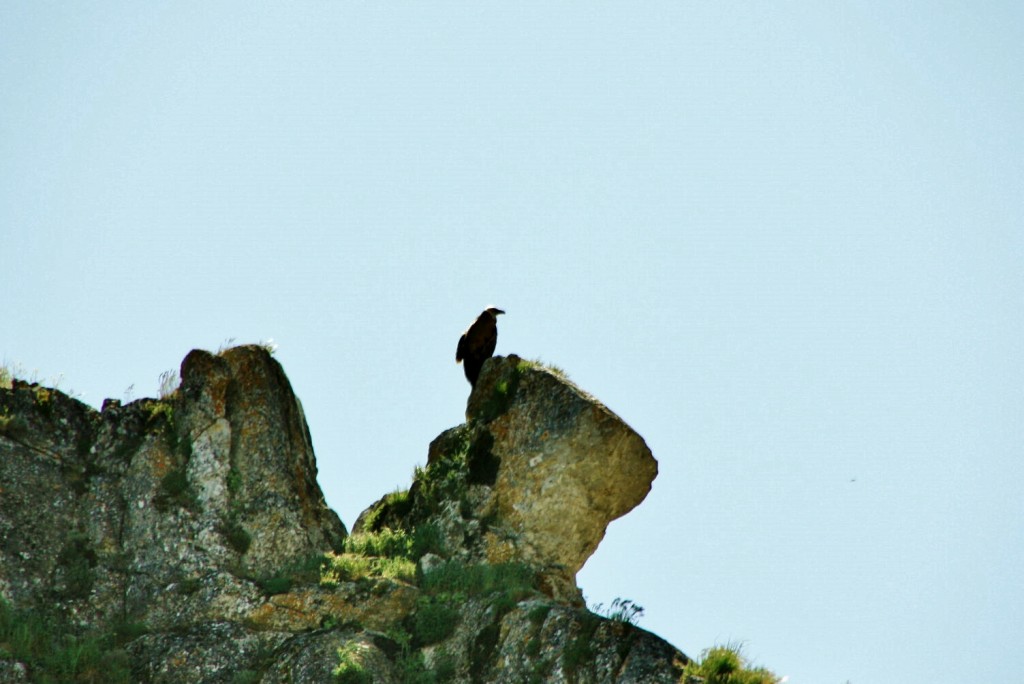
(234, 480)
(236, 537)
(175, 491)
(427, 538)
(533, 646)
(350, 669)
(412, 669)
(475, 580)
(160, 410)
(344, 567)
(348, 567)
(54, 653)
(277, 584)
(444, 665)
(396, 568)
(726, 665)
(76, 562)
(14, 427)
(44, 401)
(401, 637)
(538, 614)
(387, 542)
(246, 677)
(444, 479)
(434, 621)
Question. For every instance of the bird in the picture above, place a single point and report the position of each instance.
(477, 344)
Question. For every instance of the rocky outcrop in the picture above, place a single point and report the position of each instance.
(566, 466)
(186, 539)
(546, 468)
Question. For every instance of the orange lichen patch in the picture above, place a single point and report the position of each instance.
(161, 460)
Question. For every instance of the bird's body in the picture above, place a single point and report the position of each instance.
(478, 342)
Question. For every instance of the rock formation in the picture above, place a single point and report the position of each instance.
(186, 540)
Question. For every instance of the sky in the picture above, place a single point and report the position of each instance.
(783, 241)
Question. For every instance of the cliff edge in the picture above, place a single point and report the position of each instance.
(186, 539)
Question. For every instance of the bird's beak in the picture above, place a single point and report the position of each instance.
(498, 311)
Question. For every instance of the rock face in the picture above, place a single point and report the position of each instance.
(567, 466)
(187, 540)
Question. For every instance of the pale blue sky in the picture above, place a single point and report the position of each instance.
(782, 240)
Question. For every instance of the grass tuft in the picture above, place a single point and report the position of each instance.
(475, 580)
(54, 652)
(350, 567)
(726, 665)
(387, 542)
(236, 536)
(621, 610)
(350, 669)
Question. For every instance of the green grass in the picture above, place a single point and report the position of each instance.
(427, 538)
(236, 536)
(54, 653)
(387, 554)
(447, 587)
(234, 480)
(444, 479)
(77, 560)
(392, 543)
(435, 620)
(276, 584)
(476, 580)
(502, 395)
(302, 572)
(387, 542)
(726, 665)
(350, 567)
(350, 669)
(550, 367)
(246, 677)
(7, 375)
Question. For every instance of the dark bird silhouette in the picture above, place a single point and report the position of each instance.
(477, 344)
